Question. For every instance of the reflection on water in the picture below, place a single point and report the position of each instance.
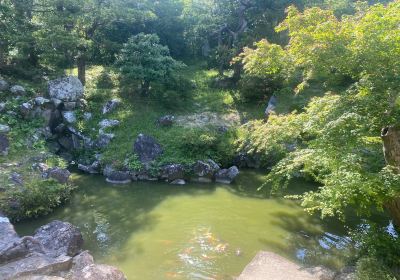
(157, 231)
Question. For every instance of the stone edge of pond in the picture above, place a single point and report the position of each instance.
(268, 265)
(53, 252)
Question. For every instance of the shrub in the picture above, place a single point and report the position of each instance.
(38, 197)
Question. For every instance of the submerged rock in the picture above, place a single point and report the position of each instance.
(147, 148)
(67, 89)
(227, 176)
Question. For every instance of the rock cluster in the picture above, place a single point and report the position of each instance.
(53, 252)
(148, 149)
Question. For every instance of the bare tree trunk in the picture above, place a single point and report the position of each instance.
(391, 149)
(81, 61)
(2, 56)
(145, 88)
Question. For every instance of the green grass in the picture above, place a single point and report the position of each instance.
(139, 114)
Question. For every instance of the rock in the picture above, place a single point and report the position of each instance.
(108, 123)
(53, 253)
(70, 106)
(33, 265)
(227, 176)
(66, 142)
(4, 128)
(4, 144)
(40, 101)
(3, 85)
(26, 109)
(205, 171)
(17, 178)
(98, 272)
(103, 140)
(17, 90)
(7, 233)
(167, 120)
(82, 260)
(119, 177)
(111, 106)
(60, 238)
(2, 107)
(57, 103)
(94, 168)
(178, 182)
(276, 267)
(55, 119)
(59, 174)
(244, 160)
(69, 117)
(87, 116)
(41, 167)
(147, 148)
(173, 172)
(271, 106)
(347, 273)
(67, 89)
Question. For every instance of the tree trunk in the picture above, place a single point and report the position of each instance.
(391, 149)
(145, 88)
(2, 56)
(81, 61)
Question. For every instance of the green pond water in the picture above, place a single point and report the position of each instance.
(157, 231)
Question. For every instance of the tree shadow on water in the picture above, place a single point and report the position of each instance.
(108, 215)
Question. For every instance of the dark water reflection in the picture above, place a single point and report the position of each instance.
(159, 231)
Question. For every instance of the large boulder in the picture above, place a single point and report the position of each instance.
(119, 177)
(227, 176)
(205, 171)
(3, 85)
(67, 89)
(59, 238)
(173, 172)
(7, 233)
(4, 144)
(147, 148)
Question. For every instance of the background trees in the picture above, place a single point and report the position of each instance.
(144, 59)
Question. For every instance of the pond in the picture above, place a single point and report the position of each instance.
(158, 231)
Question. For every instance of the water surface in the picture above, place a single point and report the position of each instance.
(157, 231)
